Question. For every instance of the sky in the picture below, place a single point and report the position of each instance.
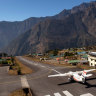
(18, 10)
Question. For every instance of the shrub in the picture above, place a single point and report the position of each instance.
(10, 68)
(19, 71)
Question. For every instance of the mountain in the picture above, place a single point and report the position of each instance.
(10, 30)
(70, 28)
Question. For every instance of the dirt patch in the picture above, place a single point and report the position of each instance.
(22, 92)
(19, 69)
(85, 67)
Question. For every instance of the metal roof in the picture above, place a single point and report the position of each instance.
(77, 61)
(74, 61)
(92, 54)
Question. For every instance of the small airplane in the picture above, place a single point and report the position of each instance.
(79, 76)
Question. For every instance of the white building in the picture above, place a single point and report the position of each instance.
(92, 58)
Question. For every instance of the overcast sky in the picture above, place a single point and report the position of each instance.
(18, 10)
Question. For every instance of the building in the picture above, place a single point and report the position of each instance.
(75, 62)
(3, 55)
(84, 57)
(39, 54)
(81, 53)
(92, 58)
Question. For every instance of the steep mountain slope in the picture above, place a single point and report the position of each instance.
(11, 30)
(75, 29)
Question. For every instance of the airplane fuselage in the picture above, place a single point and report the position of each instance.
(78, 78)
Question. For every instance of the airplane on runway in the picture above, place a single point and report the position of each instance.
(79, 76)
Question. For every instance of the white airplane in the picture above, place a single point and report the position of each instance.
(79, 76)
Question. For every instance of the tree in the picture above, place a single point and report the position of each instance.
(55, 52)
(19, 71)
(68, 54)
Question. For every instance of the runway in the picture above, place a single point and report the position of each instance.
(57, 86)
(42, 85)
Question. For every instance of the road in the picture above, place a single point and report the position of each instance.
(41, 85)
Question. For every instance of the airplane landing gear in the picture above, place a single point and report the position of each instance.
(70, 79)
(83, 80)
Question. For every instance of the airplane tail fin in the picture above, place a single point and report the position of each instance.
(84, 73)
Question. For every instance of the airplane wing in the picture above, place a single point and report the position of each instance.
(89, 70)
(71, 73)
(57, 75)
(84, 71)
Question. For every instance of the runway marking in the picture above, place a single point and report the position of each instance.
(30, 78)
(67, 93)
(38, 64)
(42, 66)
(24, 82)
(88, 94)
(56, 71)
(30, 62)
(57, 94)
(8, 69)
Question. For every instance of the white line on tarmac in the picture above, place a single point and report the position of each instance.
(8, 69)
(56, 71)
(42, 66)
(57, 94)
(88, 94)
(47, 95)
(67, 93)
(24, 82)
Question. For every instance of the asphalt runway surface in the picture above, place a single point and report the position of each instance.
(42, 85)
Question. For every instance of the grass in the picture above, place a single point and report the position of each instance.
(20, 92)
(9, 61)
(19, 69)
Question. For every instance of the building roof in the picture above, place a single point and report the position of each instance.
(74, 61)
(92, 54)
(2, 59)
(85, 56)
(77, 61)
(79, 53)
